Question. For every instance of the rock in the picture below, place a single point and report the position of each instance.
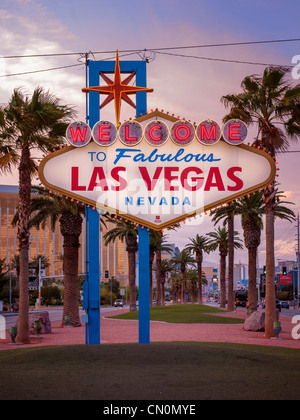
(255, 322)
(45, 322)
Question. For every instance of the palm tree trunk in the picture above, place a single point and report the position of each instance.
(158, 276)
(151, 276)
(131, 273)
(199, 276)
(252, 291)
(222, 281)
(23, 237)
(71, 303)
(270, 317)
(230, 297)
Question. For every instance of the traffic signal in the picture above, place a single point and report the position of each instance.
(265, 271)
(284, 270)
(106, 274)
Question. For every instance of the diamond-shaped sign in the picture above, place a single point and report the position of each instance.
(157, 172)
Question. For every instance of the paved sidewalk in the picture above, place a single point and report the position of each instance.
(125, 331)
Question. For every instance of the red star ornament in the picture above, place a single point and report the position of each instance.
(117, 89)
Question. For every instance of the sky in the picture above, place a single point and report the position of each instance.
(187, 86)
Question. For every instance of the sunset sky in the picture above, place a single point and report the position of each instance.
(188, 82)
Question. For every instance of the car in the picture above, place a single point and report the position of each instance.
(118, 302)
(285, 304)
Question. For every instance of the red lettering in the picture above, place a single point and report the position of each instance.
(211, 134)
(152, 135)
(104, 133)
(234, 131)
(238, 182)
(127, 135)
(98, 172)
(115, 175)
(151, 183)
(169, 178)
(187, 131)
(78, 133)
(198, 180)
(75, 180)
(214, 179)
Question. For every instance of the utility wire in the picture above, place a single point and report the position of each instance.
(40, 71)
(223, 60)
(229, 44)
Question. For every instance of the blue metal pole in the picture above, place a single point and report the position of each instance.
(93, 230)
(144, 286)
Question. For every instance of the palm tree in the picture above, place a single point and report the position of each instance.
(183, 259)
(227, 213)
(251, 209)
(157, 246)
(47, 205)
(126, 231)
(166, 267)
(274, 106)
(198, 245)
(219, 240)
(27, 123)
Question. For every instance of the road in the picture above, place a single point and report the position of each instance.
(55, 314)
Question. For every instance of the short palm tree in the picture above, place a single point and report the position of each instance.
(47, 205)
(183, 259)
(27, 123)
(273, 105)
(157, 246)
(126, 231)
(198, 245)
(219, 240)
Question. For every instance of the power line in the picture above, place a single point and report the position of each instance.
(40, 71)
(223, 60)
(228, 44)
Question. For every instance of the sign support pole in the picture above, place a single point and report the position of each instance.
(92, 286)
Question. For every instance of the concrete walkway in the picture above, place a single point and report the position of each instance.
(125, 331)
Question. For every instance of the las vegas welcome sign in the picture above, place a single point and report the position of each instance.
(157, 170)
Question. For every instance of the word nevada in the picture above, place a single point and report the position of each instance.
(156, 133)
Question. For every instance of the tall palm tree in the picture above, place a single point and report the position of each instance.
(27, 123)
(251, 209)
(198, 245)
(219, 240)
(269, 102)
(227, 213)
(128, 232)
(57, 208)
(183, 259)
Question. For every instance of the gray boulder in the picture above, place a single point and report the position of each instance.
(255, 322)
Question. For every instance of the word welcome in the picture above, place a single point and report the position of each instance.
(156, 133)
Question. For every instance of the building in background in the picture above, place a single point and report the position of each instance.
(50, 244)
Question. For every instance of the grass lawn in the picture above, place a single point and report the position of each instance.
(188, 314)
(156, 371)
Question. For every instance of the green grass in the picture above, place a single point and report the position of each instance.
(188, 314)
(156, 371)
